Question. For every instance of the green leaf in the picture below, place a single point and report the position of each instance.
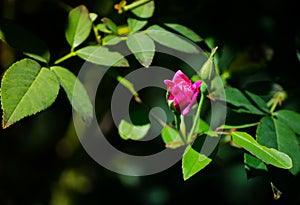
(136, 25)
(267, 155)
(266, 133)
(254, 167)
(277, 134)
(101, 27)
(254, 162)
(102, 56)
(170, 40)
(111, 40)
(171, 137)
(23, 40)
(145, 10)
(75, 91)
(258, 101)
(290, 118)
(185, 31)
(26, 89)
(288, 144)
(242, 104)
(79, 26)
(193, 162)
(93, 16)
(142, 47)
(204, 128)
(134, 132)
(2, 36)
(110, 25)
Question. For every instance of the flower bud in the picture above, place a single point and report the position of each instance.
(207, 72)
(182, 93)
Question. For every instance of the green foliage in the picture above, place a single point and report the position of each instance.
(268, 155)
(111, 40)
(144, 11)
(142, 47)
(134, 132)
(75, 91)
(289, 118)
(171, 137)
(193, 162)
(102, 56)
(170, 40)
(110, 25)
(245, 103)
(135, 24)
(185, 31)
(276, 134)
(255, 163)
(79, 26)
(26, 89)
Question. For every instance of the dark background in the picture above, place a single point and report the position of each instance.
(42, 161)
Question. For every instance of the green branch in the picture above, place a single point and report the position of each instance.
(177, 125)
(123, 7)
(237, 126)
(69, 55)
(197, 117)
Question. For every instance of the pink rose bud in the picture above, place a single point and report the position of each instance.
(182, 93)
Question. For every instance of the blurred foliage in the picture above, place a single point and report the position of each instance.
(42, 161)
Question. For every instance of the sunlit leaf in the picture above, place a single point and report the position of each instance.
(101, 27)
(135, 24)
(93, 16)
(171, 137)
(110, 25)
(170, 40)
(79, 26)
(185, 31)
(204, 128)
(134, 132)
(142, 47)
(75, 91)
(102, 56)
(145, 10)
(26, 89)
(193, 162)
(267, 155)
(111, 40)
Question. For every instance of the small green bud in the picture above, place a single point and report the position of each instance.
(207, 71)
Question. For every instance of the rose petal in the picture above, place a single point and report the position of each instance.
(180, 76)
(182, 92)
